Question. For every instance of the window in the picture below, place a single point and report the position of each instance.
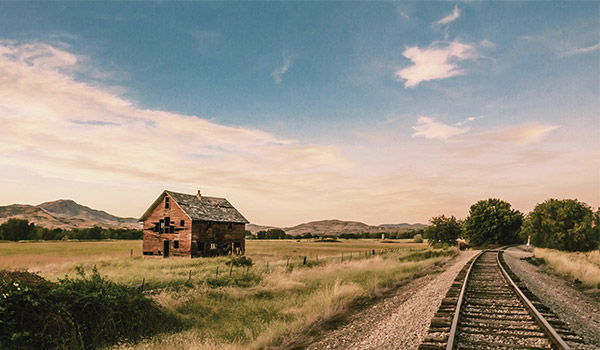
(182, 223)
(157, 227)
(209, 225)
(230, 226)
(167, 202)
(175, 244)
(167, 221)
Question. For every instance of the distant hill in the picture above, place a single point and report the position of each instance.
(337, 227)
(65, 214)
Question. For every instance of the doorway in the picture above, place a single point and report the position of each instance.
(166, 248)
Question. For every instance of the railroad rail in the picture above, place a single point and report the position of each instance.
(495, 311)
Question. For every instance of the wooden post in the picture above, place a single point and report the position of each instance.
(267, 267)
(190, 276)
(230, 269)
(373, 251)
(142, 287)
(131, 252)
(342, 257)
(247, 269)
(304, 260)
(287, 263)
(217, 273)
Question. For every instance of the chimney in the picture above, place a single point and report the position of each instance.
(199, 196)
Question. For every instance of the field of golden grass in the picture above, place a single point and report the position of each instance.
(238, 308)
(582, 266)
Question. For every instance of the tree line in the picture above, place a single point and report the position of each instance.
(565, 224)
(20, 229)
(277, 233)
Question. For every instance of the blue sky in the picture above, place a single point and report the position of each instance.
(295, 111)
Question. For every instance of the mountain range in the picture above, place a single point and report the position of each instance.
(65, 214)
(337, 227)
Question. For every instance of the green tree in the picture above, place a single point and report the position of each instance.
(443, 230)
(565, 224)
(493, 221)
(18, 229)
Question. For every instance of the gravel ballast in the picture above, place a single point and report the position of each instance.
(578, 310)
(400, 321)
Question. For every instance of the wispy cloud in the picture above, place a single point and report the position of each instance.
(520, 135)
(584, 50)
(278, 72)
(438, 61)
(58, 126)
(451, 17)
(431, 128)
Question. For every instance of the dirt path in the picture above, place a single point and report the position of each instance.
(400, 321)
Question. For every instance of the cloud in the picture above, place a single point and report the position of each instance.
(431, 128)
(278, 72)
(438, 61)
(57, 126)
(451, 17)
(584, 50)
(468, 120)
(520, 135)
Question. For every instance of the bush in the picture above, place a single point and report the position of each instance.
(443, 230)
(562, 224)
(85, 312)
(418, 239)
(493, 221)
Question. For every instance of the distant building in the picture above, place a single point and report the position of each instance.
(178, 224)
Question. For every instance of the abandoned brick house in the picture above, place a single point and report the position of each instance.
(178, 224)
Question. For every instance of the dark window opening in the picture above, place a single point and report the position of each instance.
(175, 244)
(167, 202)
(201, 246)
(157, 227)
(182, 223)
(171, 229)
(148, 253)
(209, 225)
(167, 221)
(230, 226)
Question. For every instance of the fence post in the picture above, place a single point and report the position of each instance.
(287, 263)
(304, 260)
(267, 267)
(190, 277)
(142, 287)
(131, 252)
(217, 273)
(230, 269)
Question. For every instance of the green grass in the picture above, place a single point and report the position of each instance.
(243, 308)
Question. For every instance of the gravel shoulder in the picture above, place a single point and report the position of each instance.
(400, 321)
(575, 308)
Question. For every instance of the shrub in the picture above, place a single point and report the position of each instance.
(493, 221)
(85, 312)
(443, 230)
(418, 239)
(562, 224)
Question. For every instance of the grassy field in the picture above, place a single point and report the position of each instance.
(239, 308)
(582, 266)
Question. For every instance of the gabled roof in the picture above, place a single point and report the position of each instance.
(203, 208)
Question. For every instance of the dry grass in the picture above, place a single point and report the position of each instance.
(250, 309)
(582, 266)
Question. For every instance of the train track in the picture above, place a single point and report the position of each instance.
(496, 311)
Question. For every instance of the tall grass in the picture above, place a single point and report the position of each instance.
(582, 266)
(251, 308)
(283, 301)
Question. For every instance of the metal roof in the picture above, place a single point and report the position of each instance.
(201, 208)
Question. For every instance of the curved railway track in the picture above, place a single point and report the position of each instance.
(496, 311)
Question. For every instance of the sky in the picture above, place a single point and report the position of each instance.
(380, 112)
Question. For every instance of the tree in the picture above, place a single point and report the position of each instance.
(565, 224)
(443, 230)
(18, 229)
(493, 221)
